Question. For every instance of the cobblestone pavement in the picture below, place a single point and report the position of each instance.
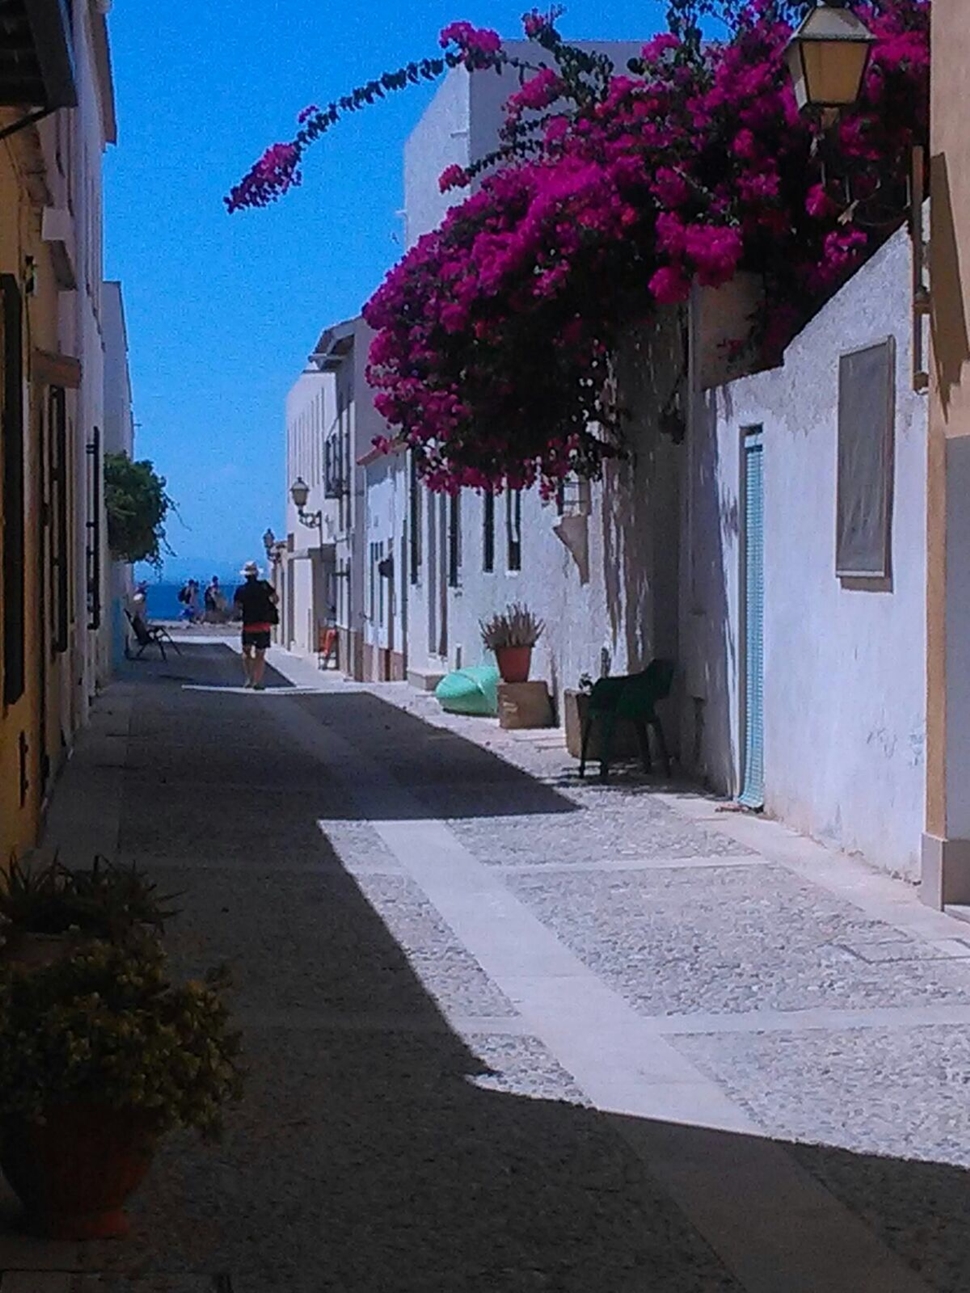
(508, 1031)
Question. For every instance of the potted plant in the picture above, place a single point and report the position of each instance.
(100, 1054)
(48, 910)
(512, 634)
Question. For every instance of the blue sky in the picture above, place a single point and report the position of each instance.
(222, 310)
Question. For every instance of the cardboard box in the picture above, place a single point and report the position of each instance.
(625, 745)
(524, 704)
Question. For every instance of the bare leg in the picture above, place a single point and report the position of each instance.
(259, 666)
(248, 663)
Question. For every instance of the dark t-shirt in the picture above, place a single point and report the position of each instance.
(256, 602)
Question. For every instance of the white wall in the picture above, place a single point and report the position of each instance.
(604, 610)
(385, 597)
(461, 125)
(119, 437)
(119, 430)
(610, 597)
(311, 412)
(90, 127)
(440, 139)
(844, 664)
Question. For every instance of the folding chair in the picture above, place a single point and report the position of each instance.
(631, 697)
(147, 635)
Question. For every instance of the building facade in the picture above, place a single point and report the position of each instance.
(119, 437)
(802, 623)
(56, 119)
(946, 837)
(305, 575)
(470, 556)
(342, 564)
(797, 545)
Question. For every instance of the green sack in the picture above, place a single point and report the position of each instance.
(470, 691)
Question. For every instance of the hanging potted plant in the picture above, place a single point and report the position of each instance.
(100, 1054)
(512, 634)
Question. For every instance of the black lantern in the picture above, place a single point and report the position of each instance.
(828, 57)
(299, 492)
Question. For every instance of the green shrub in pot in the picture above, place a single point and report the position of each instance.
(46, 902)
(100, 1053)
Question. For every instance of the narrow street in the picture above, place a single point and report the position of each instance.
(507, 1031)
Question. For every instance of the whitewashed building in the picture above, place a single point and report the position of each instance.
(471, 555)
(306, 574)
(349, 573)
(766, 532)
(803, 600)
(777, 554)
(119, 437)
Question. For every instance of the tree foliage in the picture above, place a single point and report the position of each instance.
(137, 505)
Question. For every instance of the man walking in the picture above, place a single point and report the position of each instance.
(257, 600)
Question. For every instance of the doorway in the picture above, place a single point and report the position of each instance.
(753, 619)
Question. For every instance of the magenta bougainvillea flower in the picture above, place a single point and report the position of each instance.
(612, 195)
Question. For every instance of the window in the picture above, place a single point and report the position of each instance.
(93, 528)
(488, 533)
(414, 522)
(14, 646)
(333, 483)
(865, 461)
(574, 497)
(454, 540)
(59, 565)
(513, 529)
(372, 585)
(381, 581)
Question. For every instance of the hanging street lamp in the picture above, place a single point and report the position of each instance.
(828, 57)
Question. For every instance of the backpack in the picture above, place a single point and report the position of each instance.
(184, 593)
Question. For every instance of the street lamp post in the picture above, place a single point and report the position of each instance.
(274, 556)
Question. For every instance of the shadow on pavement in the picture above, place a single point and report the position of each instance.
(199, 663)
(446, 774)
(375, 1150)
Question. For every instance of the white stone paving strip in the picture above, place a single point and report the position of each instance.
(730, 1181)
(879, 896)
(690, 863)
(824, 1017)
(609, 1048)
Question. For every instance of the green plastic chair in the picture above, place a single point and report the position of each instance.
(631, 697)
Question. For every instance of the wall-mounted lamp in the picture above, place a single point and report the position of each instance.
(300, 493)
(828, 57)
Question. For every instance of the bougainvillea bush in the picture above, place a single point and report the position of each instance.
(612, 193)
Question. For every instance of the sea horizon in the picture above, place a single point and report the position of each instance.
(162, 594)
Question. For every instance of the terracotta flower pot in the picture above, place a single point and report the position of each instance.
(513, 662)
(74, 1172)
